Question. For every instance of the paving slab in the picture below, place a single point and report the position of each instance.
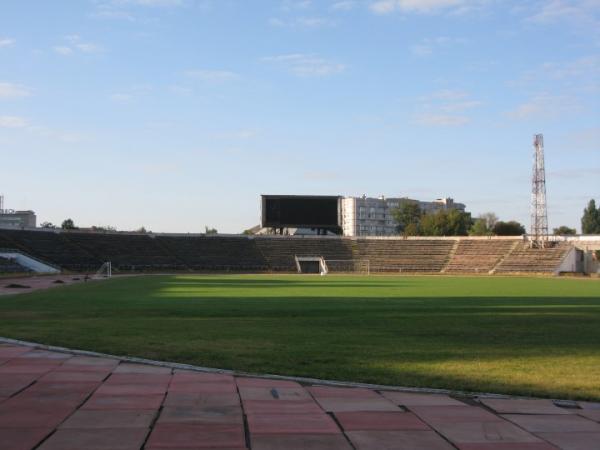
(10, 384)
(96, 439)
(91, 361)
(227, 415)
(546, 423)
(292, 424)
(22, 438)
(73, 376)
(32, 417)
(110, 419)
(56, 387)
(131, 389)
(120, 402)
(356, 404)
(201, 400)
(202, 387)
(265, 383)
(299, 442)
(435, 415)
(592, 414)
(589, 405)
(412, 399)
(282, 407)
(273, 393)
(206, 377)
(523, 406)
(9, 351)
(192, 436)
(139, 378)
(398, 440)
(484, 432)
(573, 441)
(379, 420)
(508, 446)
(335, 392)
(141, 368)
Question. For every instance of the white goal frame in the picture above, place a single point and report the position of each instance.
(105, 270)
(361, 266)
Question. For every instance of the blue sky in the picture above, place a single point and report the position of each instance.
(176, 114)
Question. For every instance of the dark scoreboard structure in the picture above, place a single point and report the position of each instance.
(321, 212)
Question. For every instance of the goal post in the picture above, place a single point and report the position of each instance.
(105, 271)
(318, 264)
(357, 266)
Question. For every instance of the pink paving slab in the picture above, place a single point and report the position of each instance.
(380, 420)
(292, 424)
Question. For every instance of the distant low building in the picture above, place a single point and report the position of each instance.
(368, 216)
(17, 219)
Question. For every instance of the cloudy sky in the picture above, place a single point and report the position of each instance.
(176, 114)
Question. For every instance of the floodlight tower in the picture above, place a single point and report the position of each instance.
(539, 214)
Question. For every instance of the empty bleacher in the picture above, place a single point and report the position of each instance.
(400, 255)
(220, 253)
(479, 256)
(524, 259)
(126, 252)
(279, 253)
(50, 247)
(7, 265)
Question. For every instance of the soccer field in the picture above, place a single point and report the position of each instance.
(530, 336)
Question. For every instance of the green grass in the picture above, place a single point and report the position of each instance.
(530, 336)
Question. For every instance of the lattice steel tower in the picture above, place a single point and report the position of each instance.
(539, 214)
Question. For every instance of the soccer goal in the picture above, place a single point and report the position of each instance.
(105, 271)
(358, 266)
(311, 264)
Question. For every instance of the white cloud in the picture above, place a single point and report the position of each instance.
(6, 42)
(562, 10)
(291, 5)
(344, 5)
(63, 50)
(545, 106)
(12, 122)
(121, 97)
(302, 22)
(444, 120)
(10, 90)
(420, 6)
(306, 65)
(427, 46)
(446, 108)
(215, 76)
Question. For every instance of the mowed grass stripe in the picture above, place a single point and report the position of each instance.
(528, 336)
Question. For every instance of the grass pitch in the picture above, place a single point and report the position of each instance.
(529, 336)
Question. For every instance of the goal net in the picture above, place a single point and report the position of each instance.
(105, 271)
(358, 266)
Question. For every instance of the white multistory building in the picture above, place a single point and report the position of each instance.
(369, 216)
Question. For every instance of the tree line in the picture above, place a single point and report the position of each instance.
(411, 220)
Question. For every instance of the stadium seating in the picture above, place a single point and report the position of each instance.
(215, 253)
(50, 247)
(126, 252)
(279, 253)
(400, 255)
(79, 251)
(479, 256)
(524, 259)
(7, 265)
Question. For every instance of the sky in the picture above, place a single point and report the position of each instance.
(178, 114)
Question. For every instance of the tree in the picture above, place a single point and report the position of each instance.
(484, 224)
(210, 231)
(141, 229)
(68, 224)
(47, 225)
(510, 228)
(590, 222)
(564, 230)
(445, 222)
(407, 216)
(103, 228)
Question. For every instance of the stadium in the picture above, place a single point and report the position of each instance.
(299, 225)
